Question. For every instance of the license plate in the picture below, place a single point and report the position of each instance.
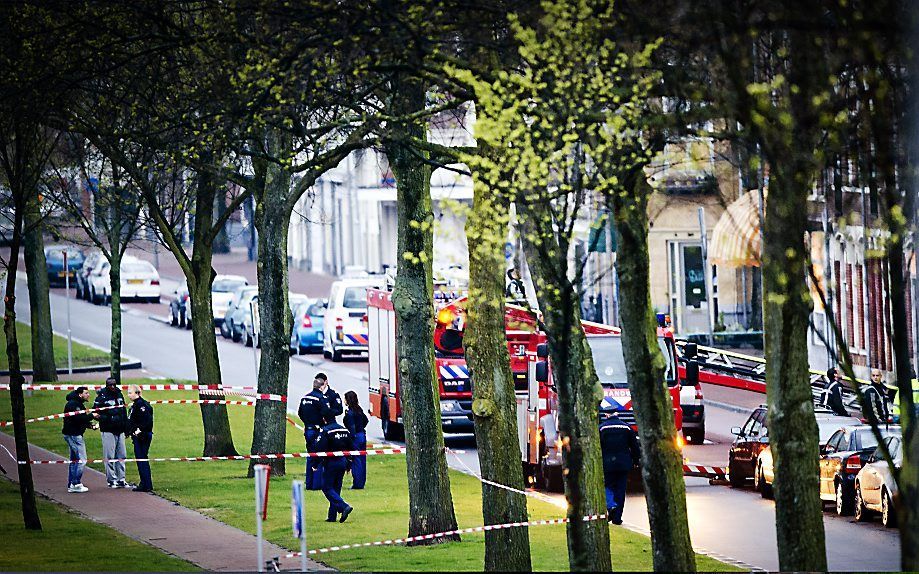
(65, 274)
(135, 281)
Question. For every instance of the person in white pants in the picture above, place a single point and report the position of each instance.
(113, 423)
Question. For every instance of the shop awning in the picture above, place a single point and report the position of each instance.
(736, 240)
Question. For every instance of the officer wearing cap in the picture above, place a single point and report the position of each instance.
(311, 413)
(619, 445)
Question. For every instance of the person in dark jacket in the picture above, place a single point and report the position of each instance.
(619, 445)
(334, 437)
(876, 393)
(356, 423)
(331, 405)
(74, 427)
(113, 422)
(833, 394)
(140, 429)
(311, 413)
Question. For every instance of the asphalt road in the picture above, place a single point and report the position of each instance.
(725, 522)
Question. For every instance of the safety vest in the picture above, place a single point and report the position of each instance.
(895, 409)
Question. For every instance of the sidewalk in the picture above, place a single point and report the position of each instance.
(235, 263)
(174, 529)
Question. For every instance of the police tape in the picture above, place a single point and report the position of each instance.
(277, 456)
(152, 402)
(203, 389)
(690, 469)
(470, 530)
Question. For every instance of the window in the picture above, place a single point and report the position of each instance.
(832, 445)
(227, 285)
(355, 298)
(316, 310)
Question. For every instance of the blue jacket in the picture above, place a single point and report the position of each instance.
(619, 444)
(355, 421)
(311, 407)
(332, 437)
(331, 404)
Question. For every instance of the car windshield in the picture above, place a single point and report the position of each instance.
(316, 310)
(227, 285)
(355, 298)
(867, 439)
(610, 362)
(57, 254)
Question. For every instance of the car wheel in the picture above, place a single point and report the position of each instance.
(248, 341)
(862, 513)
(843, 504)
(173, 320)
(182, 321)
(336, 355)
(760, 484)
(236, 337)
(734, 476)
(326, 354)
(94, 299)
(888, 516)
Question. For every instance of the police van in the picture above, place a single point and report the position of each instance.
(345, 323)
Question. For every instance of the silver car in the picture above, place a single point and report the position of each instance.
(875, 487)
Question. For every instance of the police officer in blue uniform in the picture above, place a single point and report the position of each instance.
(619, 445)
(331, 400)
(334, 437)
(356, 423)
(311, 413)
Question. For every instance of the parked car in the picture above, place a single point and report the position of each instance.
(345, 323)
(180, 307)
(306, 332)
(238, 311)
(93, 260)
(139, 280)
(226, 326)
(827, 425)
(750, 456)
(222, 291)
(253, 334)
(875, 487)
(841, 459)
(54, 263)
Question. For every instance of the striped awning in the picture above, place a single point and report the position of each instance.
(736, 239)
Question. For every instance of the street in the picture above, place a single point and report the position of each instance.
(738, 524)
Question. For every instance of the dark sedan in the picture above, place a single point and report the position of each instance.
(54, 263)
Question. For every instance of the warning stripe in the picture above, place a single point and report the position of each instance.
(153, 402)
(486, 528)
(369, 452)
(704, 471)
(203, 389)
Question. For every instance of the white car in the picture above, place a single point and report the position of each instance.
(222, 293)
(139, 280)
(251, 327)
(345, 323)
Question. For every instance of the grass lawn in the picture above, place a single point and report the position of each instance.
(82, 355)
(71, 542)
(220, 490)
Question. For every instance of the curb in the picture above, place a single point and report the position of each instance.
(127, 366)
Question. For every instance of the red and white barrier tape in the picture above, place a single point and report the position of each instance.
(153, 402)
(204, 389)
(369, 452)
(485, 528)
(704, 471)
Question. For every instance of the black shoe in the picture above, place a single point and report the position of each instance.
(617, 522)
(139, 489)
(330, 520)
(345, 513)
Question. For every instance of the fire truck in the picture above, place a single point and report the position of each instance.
(537, 398)
(453, 380)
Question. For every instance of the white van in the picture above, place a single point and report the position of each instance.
(345, 323)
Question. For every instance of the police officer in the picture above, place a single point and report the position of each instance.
(876, 396)
(334, 437)
(356, 423)
(310, 412)
(619, 445)
(331, 400)
(140, 429)
(833, 394)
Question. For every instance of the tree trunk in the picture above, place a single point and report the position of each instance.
(222, 241)
(430, 500)
(218, 439)
(272, 218)
(792, 426)
(115, 288)
(579, 391)
(17, 400)
(43, 367)
(494, 404)
(661, 460)
(756, 298)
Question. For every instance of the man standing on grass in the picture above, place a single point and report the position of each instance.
(311, 413)
(113, 422)
(140, 427)
(334, 437)
(74, 427)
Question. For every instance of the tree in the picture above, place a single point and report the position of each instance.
(561, 148)
(43, 367)
(113, 222)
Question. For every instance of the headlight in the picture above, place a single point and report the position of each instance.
(448, 406)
